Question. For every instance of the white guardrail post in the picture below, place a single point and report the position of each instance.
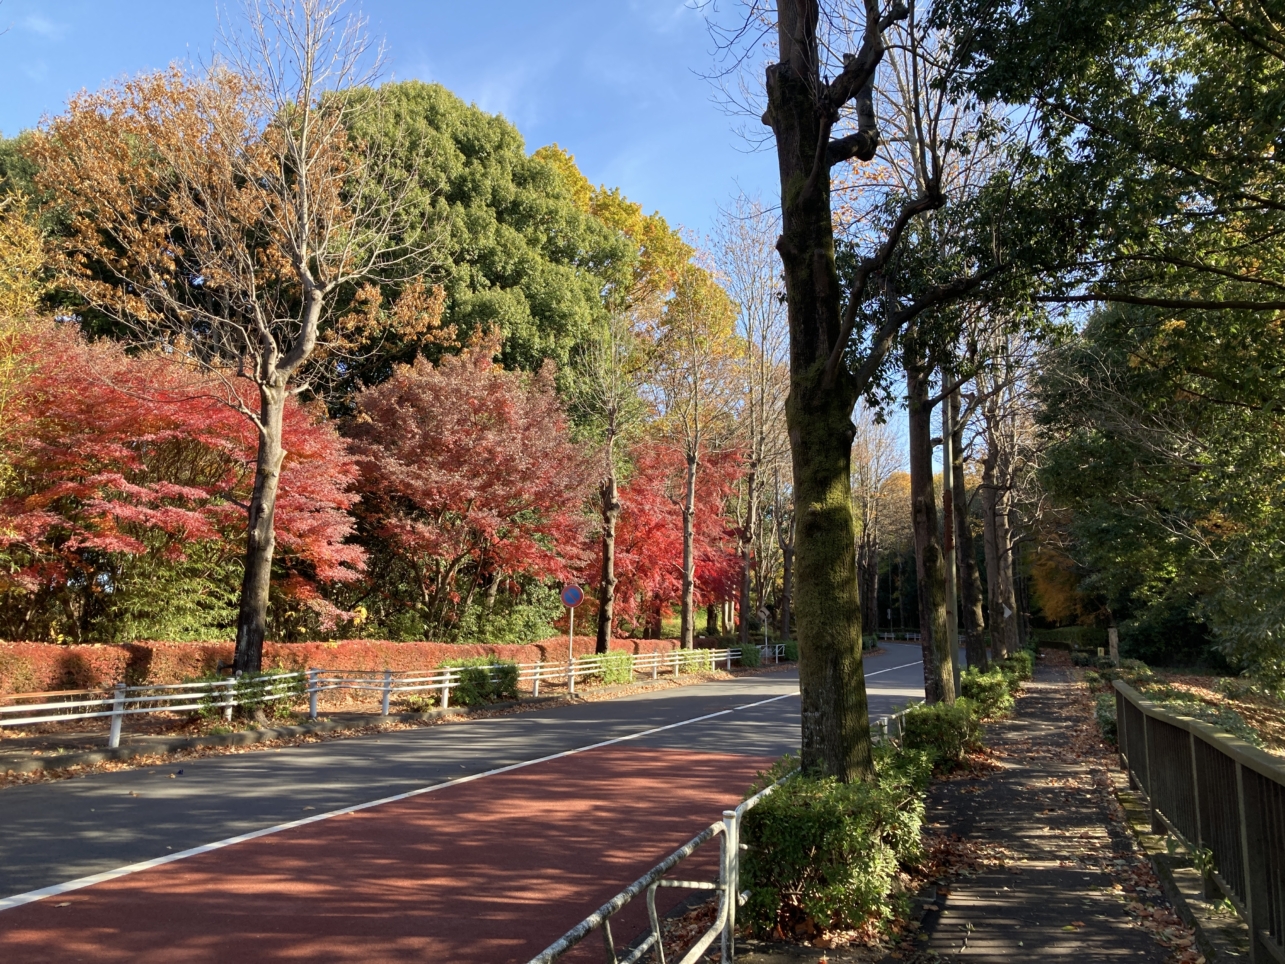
(118, 711)
(388, 691)
(312, 693)
(229, 696)
(446, 688)
(731, 880)
(535, 687)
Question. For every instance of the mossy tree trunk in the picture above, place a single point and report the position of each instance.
(939, 676)
(826, 606)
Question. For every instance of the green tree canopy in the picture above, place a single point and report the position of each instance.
(523, 255)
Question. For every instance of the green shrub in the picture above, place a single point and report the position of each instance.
(992, 691)
(253, 691)
(827, 852)
(418, 702)
(1021, 664)
(1104, 713)
(791, 650)
(945, 731)
(483, 679)
(751, 656)
(617, 667)
(696, 660)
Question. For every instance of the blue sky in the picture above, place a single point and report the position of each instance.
(615, 82)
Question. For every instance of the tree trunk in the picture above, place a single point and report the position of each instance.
(787, 587)
(747, 542)
(687, 627)
(651, 622)
(990, 547)
(492, 593)
(869, 573)
(827, 606)
(260, 536)
(711, 619)
(939, 677)
(999, 561)
(970, 583)
(607, 584)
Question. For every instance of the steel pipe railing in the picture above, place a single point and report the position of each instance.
(121, 700)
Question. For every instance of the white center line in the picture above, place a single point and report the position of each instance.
(54, 890)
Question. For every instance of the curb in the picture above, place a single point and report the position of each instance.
(1219, 937)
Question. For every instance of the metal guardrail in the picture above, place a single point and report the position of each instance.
(727, 831)
(226, 694)
(1224, 799)
(730, 896)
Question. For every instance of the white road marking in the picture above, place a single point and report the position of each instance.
(891, 668)
(55, 890)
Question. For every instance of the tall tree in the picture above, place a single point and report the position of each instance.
(228, 215)
(749, 271)
(610, 372)
(693, 389)
(874, 459)
(970, 584)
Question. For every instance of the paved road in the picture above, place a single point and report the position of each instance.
(70, 829)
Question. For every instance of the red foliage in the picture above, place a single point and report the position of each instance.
(39, 667)
(468, 471)
(649, 534)
(137, 454)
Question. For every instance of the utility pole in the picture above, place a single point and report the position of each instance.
(948, 540)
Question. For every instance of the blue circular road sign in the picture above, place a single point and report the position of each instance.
(572, 596)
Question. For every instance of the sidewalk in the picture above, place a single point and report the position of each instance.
(1055, 871)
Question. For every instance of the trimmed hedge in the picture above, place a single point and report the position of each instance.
(40, 667)
(824, 854)
(945, 731)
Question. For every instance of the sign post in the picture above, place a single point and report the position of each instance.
(572, 596)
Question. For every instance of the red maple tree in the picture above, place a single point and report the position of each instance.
(468, 473)
(116, 455)
(649, 538)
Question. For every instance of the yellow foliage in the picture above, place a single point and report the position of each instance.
(662, 252)
(1056, 585)
(21, 260)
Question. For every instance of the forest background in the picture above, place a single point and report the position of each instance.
(539, 378)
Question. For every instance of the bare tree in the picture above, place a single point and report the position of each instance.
(820, 97)
(228, 216)
(874, 459)
(748, 268)
(693, 387)
(611, 370)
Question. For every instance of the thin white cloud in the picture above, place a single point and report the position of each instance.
(44, 27)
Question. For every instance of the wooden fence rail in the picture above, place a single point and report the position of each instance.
(1223, 798)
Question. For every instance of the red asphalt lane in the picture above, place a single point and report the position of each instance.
(492, 871)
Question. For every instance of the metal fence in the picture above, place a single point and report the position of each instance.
(1224, 799)
(223, 696)
(727, 887)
